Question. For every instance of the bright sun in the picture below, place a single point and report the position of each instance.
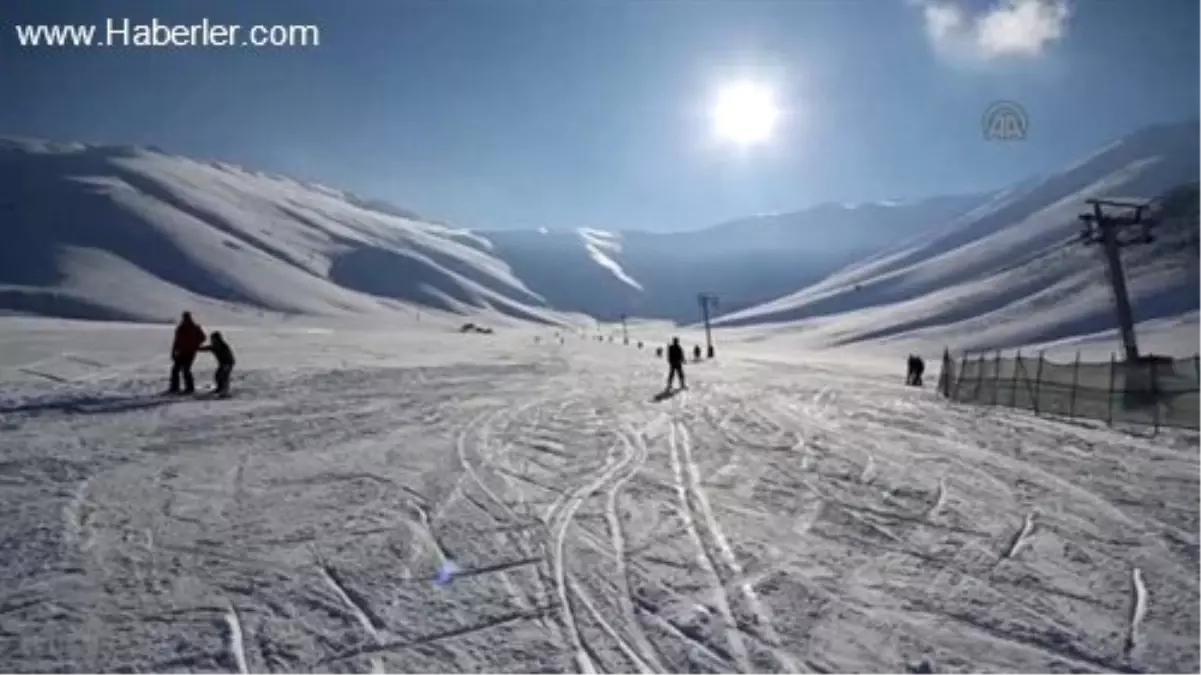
(745, 113)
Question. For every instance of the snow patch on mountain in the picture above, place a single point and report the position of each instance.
(602, 246)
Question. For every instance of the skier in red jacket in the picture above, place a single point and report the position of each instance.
(188, 338)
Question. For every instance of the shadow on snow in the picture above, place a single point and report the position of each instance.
(665, 394)
(94, 404)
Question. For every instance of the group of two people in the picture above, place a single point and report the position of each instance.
(189, 341)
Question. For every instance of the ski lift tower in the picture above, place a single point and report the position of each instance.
(1116, 225)
(707, 300)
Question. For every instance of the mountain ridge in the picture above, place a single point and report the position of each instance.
(132, 233)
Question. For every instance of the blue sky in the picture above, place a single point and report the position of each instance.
(558, 113)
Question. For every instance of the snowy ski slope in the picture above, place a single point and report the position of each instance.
(783, 514)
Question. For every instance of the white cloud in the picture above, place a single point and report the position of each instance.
(1007, 28)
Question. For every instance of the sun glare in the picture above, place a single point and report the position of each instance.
(745, 113)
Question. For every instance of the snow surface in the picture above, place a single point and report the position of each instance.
(789, 512)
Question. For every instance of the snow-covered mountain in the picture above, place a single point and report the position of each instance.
(1013, 271)
(136, 234)
(133, 233)
(747, 261)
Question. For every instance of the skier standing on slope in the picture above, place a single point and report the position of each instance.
(188, 338)
(225, 362)
(675, 363)
(916, 367)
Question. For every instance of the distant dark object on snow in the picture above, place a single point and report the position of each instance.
(472, 328)
(914, 369)
(923, 666)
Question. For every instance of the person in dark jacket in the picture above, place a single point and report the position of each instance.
(188, 338)
(225, 362)
(913, 375)
(675, 363)
(696, 353)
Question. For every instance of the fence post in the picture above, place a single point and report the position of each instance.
(1113, 371)
(959, 376)
(1038, 383)
(944, 377)
(978, 390)
(1075, 380)
(977, 396)
(1013, 386)
(996, 379)
(1155, 397)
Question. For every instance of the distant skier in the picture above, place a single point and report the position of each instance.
(696, 353)
(225, 362)
(916, 366)
(188, 338)
(675, 363)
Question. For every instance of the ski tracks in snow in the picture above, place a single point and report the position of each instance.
(237, 647)
(714, 551)
(559, 520)
(371, 624)
(647, 653)
(763, 520)
(500, 448)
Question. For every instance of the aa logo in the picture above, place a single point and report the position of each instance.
(1005, 121)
